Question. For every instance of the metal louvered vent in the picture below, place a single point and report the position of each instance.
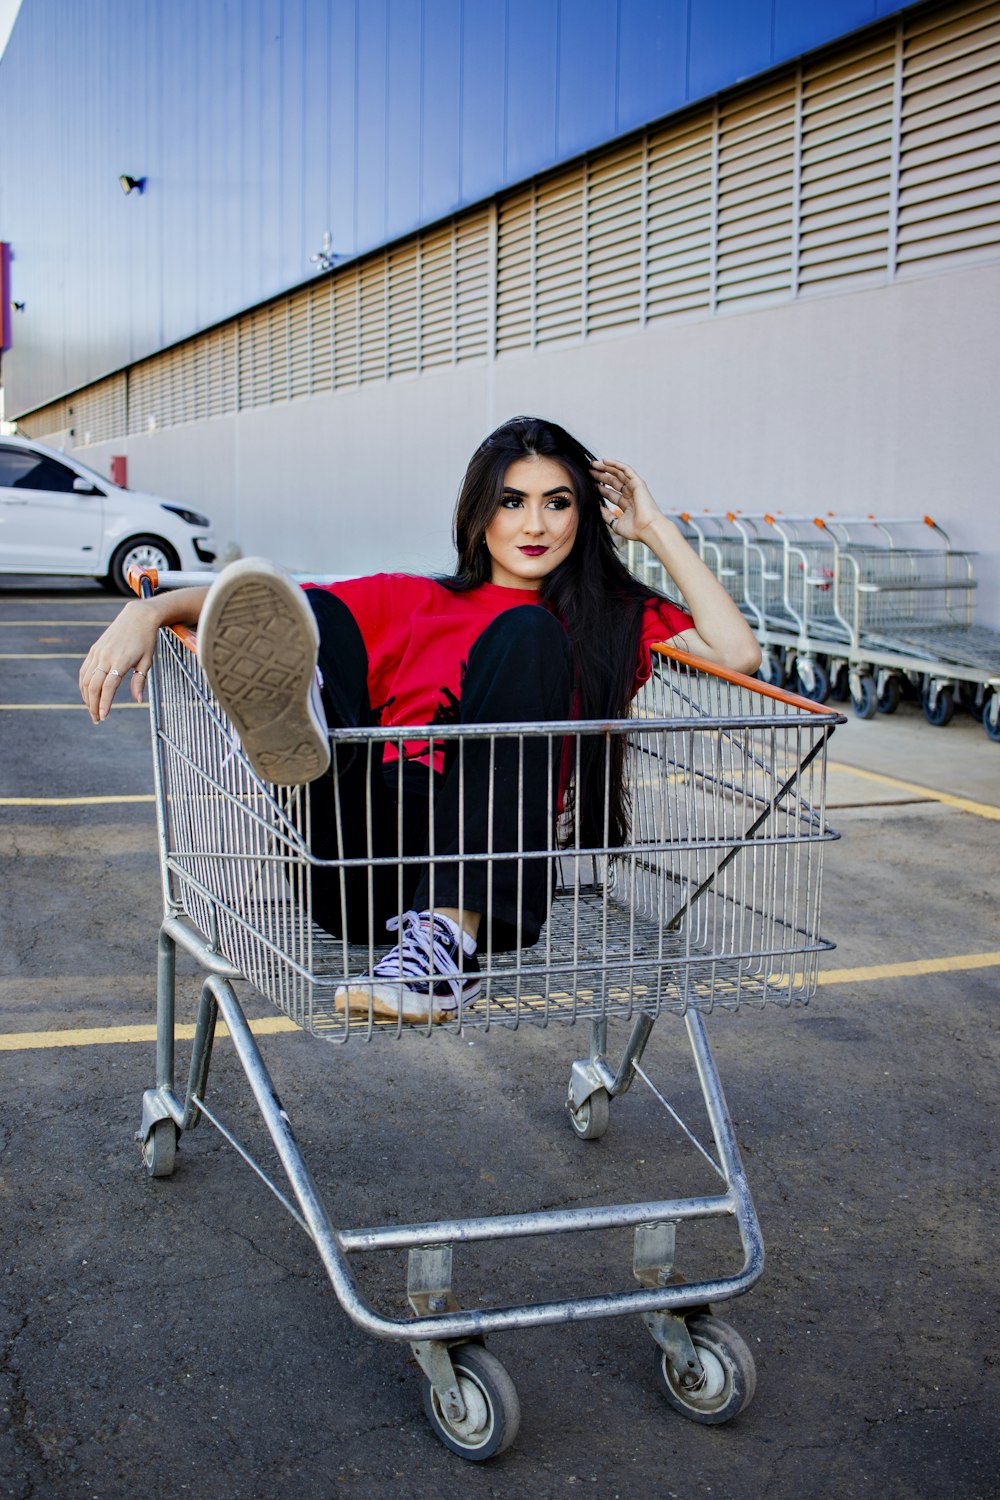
(846, 159)
(680, 175)
(614, 239)
(99, 412)
(949, 192)
(559, 258)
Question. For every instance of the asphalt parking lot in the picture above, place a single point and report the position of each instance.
(178, 1337)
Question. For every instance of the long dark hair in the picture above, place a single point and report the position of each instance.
(597, 599)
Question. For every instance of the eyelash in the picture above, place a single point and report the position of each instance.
(558, 502)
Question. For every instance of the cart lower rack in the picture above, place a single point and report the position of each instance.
(712, 902)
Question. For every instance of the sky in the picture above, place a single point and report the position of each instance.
(8, 15)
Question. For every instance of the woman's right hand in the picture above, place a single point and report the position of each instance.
(126, 645)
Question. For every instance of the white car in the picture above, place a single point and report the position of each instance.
(58, 516)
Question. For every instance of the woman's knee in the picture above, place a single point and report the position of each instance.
(520, 667)
(342, 660)
(526, 627)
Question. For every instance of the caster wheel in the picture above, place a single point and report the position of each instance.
(991, 716)
(812, 681)
(160, 1149)
(839, 688)
(590, 1121)
(771, 671)
(492, 1410)
(864, 699)
(888, 699)
(728, 1373)
(940, 711)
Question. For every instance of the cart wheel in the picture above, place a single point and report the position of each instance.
(590, 1121)
(729, 1376)
(160, 1149)
(864, 699)
(888, 699)
(492, 1410)
(839, 688)
(771, 671)
(943, 706)
(812, 681)
(991, 716)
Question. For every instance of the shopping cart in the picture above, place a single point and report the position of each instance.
(712, 903)
(905, 598)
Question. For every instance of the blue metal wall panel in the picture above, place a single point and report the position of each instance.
(532, 60)
(402, 138)
(652, 73)
(441, 57)
(260, 124)
(289, 230)
(798, 27)
(484, 99)
(341, 125)
(587, 77)
(729, 39)
(370, 86)
(317, 218)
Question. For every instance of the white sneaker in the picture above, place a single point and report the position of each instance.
(257, 643)
(420, 978)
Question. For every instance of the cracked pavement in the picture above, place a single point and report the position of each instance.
(176, 1337)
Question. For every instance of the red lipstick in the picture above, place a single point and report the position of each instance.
(532, 551)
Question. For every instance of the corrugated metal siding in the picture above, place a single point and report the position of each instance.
(261, 127)
(849, 105)
(949, 200)
(874, 161)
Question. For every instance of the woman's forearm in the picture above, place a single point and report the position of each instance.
(128, 645)
(177, 606)
(723, 635)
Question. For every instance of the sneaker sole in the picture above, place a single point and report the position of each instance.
(257, 644)
(383, 1003)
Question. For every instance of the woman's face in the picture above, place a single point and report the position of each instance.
(535, 526)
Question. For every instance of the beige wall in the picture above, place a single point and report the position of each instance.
(878, 400)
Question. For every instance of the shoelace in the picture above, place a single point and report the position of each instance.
(419, 952)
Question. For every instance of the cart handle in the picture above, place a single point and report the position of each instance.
(740, 679)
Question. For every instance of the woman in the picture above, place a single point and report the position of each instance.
(533, 527)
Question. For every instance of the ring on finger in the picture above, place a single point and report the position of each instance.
(113, 672)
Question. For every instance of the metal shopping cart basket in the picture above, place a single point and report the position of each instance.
(712, 903)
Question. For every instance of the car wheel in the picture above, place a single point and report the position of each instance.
(138, 552)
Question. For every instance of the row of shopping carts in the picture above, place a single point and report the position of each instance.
(869, 608)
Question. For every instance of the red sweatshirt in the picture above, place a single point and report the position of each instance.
(418, 634)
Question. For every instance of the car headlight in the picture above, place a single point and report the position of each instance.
(192, 517)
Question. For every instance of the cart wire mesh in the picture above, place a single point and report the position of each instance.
(713, 900)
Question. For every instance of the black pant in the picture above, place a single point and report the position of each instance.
(491, 797)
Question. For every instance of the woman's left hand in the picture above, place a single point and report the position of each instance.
(626, 504)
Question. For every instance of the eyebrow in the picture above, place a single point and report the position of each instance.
(560, 489)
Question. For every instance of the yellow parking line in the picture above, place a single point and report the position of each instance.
(73, 801)
(911, 968)
(102, 1036)
(964, 804)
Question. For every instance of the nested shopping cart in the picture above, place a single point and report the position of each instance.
(713, 903)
